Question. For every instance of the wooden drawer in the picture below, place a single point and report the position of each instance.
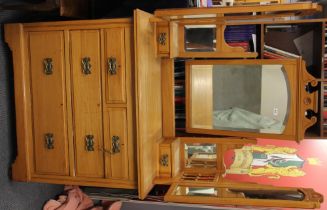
(49, 103)
(163, 40)
(115, 79)
(87, 104)
(169, 157)
(115, 143)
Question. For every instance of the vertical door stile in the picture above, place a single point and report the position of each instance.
(87, 102)
(69, 85)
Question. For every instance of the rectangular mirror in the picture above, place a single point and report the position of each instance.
(195, 191)
(200, 38)
(200, 155)
(242, 97)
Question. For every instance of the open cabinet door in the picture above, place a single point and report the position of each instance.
(148, 101)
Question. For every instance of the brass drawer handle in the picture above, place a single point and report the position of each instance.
(164, 160)
(115, 144)
(89, 143)
(162, 38)
(48, 66)
(112, 65)
(86, 65)
(49, 140)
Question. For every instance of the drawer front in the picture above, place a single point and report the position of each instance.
(116, 149)
(163, 40)
(115, 80)
(47, 71)
(86, 76)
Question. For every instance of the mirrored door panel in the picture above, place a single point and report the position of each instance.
(253, 96)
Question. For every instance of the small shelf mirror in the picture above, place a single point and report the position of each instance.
(200, 38)
(200, 155)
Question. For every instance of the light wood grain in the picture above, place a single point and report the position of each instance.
(115, 124)
(130, 86)
(15, 37)
(49, 102)
(163, 48)
(114, 47)
(199, 85)
(70, 126)
(168, 97)
(87, 102)
(148, 101)
(303, 6)
(82, 181)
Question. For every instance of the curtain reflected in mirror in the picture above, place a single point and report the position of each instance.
(251, 98)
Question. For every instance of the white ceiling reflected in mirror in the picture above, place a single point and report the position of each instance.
(237, 97)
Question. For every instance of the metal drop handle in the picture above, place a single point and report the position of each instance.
(164, 160)
(49, 140)
(112, 65)
(115, 144)
(47, 66)
(86, 65)
(162, 38)
(89, 143)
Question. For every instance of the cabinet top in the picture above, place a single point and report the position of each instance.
(79, 23)
(299, 8)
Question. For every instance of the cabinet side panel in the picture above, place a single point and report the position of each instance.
(14, 35)
(87, 110)
(48, 102)
(148, 101)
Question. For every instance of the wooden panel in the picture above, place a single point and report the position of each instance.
(14, 36)
(49, 103)
(199, 85)
(168, 97)
(170, 147)
(148, 101)
(304, 7)
(165, 169)
(174, 48)
(163, 39)
(176, 158)
(115, 83)
(115, 123)
(87, 102)
(129, 55)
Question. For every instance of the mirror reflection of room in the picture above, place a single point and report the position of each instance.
(200, 155)
(252, 98)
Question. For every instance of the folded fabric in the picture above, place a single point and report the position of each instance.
(237, 118)
(74, 200)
